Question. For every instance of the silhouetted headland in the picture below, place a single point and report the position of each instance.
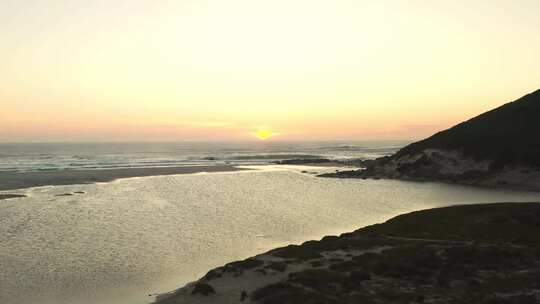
(498, 148)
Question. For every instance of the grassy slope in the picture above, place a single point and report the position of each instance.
(481, 254)
(460, 254)
(517, 223)
(508, 134)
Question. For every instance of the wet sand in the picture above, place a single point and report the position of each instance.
(17, 180)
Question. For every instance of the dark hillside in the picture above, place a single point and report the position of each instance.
(507, 135)
(469, 254)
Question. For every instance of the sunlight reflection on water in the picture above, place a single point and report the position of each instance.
(120, 241)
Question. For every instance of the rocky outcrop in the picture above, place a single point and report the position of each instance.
(302, 161)
(446, 166)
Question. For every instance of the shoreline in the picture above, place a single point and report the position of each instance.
(533, 186)
(18, 180)
(419, 251)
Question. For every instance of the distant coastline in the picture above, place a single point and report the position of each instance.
(21, 180)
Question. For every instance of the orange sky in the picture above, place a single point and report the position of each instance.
(225, 70)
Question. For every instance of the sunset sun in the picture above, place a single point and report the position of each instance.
(263, 134)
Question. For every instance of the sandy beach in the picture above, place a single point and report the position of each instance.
(16, 180)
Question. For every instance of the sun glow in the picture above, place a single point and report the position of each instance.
(214, 70)
(263, 134)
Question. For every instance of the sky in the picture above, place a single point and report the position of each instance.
(100, 70)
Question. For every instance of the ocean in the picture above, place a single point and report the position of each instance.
(120, 242)
(33, 157)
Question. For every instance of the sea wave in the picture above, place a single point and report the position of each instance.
(275, 156)
(31, 157)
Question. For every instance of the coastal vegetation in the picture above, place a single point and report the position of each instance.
(498, 148)
(462, 254)
(507, 135)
